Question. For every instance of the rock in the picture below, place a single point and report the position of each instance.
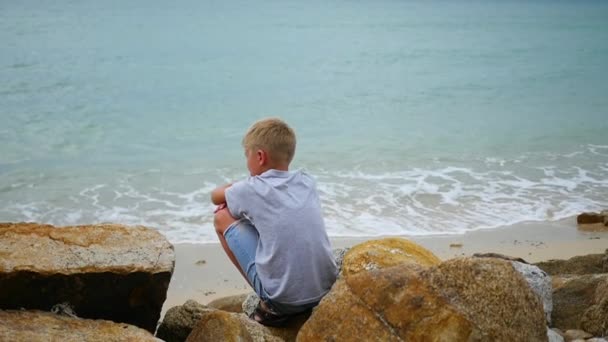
(39, 326)
(575, 334)
(540, 282)
(250, 303)
(63, 309)
(230, 303)
(595, 318)
(101, 271)
(554, 336)
(227, 326)
(589, 218)
(500, 256)
(572, 296)
(476, 299)
(583, 264)
(180, 320)
(593, 222)
(494, 296)
(343, 316)
(376, 254)
(339, 257)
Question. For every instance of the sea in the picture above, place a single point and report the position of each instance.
(415, 117)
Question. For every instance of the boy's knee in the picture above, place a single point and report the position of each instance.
(222, 220)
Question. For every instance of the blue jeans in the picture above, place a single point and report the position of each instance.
(242, 239)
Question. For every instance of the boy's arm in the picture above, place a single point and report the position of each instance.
(218, 196)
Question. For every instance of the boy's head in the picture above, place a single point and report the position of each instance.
(269, 144)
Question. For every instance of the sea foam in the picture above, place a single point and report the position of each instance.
(445, 199)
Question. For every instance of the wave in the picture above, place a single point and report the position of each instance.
(445, 199)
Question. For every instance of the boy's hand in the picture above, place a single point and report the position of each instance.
(220, 207)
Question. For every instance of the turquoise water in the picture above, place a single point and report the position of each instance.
(416, 117)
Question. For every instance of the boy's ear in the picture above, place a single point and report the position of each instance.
(262, 157)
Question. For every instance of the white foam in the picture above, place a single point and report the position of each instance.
(594, 149)
(444, 199)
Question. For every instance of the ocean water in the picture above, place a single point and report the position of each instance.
(416, 117)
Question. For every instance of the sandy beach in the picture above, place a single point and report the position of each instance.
(203, 272)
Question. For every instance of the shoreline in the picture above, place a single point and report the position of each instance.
(204, 273)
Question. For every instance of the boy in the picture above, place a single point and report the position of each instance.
(270, 226)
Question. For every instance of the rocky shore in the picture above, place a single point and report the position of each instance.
(109, 282)
(108, 272)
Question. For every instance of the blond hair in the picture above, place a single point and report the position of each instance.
(274, 136)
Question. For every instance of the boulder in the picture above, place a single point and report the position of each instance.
(582, 264)
(39, 326)
(220, 325)
(572, 297)
(540, 283)
(101, 271)
(590, 218)
(457, 300)
(539, 280)
(595, 318)
(376, 254)
(180, 320)
(343, 316)
(230, 303)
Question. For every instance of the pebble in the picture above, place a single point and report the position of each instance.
(572, 335)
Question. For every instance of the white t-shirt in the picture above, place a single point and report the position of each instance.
(293, 259)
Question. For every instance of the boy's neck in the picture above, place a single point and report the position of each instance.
(278, 167)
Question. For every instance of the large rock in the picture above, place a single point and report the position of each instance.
(39, 326)
(101, 271)
(590, 218)
(583, 264)
(540, 283)
(377, 254)
(595, 318)
(572, 297)
(539, 280)
(180, 320)
(232, 327)
(230, 303)
(469, 299)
